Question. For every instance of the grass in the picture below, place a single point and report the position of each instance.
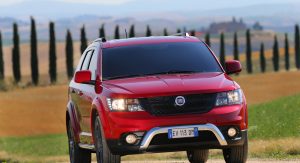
(46, 145)
(273, 131)
(276, 119)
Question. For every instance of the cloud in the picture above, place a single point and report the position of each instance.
(106, 2)
(10, 2)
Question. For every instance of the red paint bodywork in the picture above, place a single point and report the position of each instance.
(83, 100)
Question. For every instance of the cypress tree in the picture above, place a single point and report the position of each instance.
(1, 60)
(222, 50)
(193, 33)
(235, 47)
(148, 32)
(34, 57)
(52, 53)
(178, 30)
(248, 52)
(131, 31)
(83, 40)
(297, 47)
(102, 31)
(16, 54)
(286, 54)
(262, 58)
(117, 32)
(275, 55)
(69, 54)
(207, 39)
(166, 32)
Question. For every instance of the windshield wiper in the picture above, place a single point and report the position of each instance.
(157, 73)
(173, 72)
(120, 77)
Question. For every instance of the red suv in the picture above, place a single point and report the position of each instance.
(155, 94)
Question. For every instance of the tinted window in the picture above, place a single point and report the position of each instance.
(80, 62)
(93, 65)
(139, 60)
(86, 61)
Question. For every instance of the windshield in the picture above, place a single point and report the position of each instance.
(154, 59)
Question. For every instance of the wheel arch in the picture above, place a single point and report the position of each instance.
(99, 110)
(71, 117)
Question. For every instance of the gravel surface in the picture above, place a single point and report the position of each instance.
(220, 161)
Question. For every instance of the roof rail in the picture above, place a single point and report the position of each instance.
(186, 34)
(100, 40)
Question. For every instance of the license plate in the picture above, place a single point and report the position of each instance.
(182, 133)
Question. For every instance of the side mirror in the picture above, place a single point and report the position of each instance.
(233, 67)
(83, 76)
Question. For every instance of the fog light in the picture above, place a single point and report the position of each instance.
(131, 139)
(231, 132)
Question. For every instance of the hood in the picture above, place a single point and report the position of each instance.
(170, 84)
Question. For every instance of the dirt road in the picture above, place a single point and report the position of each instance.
(218, 161)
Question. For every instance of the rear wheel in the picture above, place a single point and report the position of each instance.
(103, 153)
(198, 156)
(77, 154)
(236, 154)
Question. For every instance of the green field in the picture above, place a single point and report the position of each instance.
(276, 121)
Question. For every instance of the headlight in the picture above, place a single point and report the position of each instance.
(131, 105)
(229, 98)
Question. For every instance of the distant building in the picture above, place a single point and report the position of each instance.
(231, 26)
(257, 27)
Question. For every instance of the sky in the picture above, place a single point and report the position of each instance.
(70, 8)
(172, 4)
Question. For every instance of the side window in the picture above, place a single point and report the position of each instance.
(80, 62)
(87, 59)
(93, 65)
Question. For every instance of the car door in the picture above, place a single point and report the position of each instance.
(84, 93)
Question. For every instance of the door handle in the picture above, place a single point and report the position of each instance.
(80, 93)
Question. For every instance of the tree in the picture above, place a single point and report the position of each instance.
(16, 54)
(117, 32)
(286, 54)
(52, 53)
(131, 31)
(248, 52)
(297, 47)
(1, 60)
(207, 39)
(148, 32)
(276, 54)
(69, 54)
(34, 57)
(193, 33)
(102, 31)
(262, 58)
(235, 47)
(178, 30)
(166, 32)
(83, 40)
(222, 50)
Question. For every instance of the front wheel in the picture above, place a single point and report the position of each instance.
(77, 154)
(198, 156)
(103, 153)
(236, 154)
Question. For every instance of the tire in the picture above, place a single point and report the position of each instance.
(236, 154)
(77, 154)
(198, 156)
(103, 153)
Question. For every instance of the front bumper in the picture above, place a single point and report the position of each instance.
(156, 140)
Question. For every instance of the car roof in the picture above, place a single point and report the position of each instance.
(148, 40)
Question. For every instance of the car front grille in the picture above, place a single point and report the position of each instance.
(165, 105)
